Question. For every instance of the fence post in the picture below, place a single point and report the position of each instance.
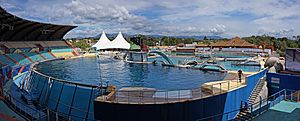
(227, 117)
(48, 115)
(179, 95)
(228, 86)
(220, 87)
(128, 97)
(259, 104)
(284, 94)
(56, 116)
(212, 89)
(298, 96)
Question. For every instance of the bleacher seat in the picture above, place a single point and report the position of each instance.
(35, 57)
(20, 58)
(62, 50)
(47, 55)
(6, 61)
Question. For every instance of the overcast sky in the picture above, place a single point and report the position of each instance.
(226, 18)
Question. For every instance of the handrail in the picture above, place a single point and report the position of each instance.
(64, 81)
(280, 93)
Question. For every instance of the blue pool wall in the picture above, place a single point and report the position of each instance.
(181, 111)
(279, 81)
(234, 98)
(68, 99)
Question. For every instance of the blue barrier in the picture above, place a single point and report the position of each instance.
(235, 97)
(278, 81)
(67, 98)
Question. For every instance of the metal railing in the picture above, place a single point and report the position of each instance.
(39, 112)
(258, 107)
(142, 95)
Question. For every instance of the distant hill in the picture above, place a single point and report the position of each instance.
(158, 36)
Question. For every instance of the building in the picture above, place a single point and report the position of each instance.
(235, 42)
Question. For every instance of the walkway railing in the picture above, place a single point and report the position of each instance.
(259, 107)
(40, 112)
(139, 95)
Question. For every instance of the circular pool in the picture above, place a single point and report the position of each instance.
(122, 74)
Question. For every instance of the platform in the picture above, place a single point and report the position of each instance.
(283, 111)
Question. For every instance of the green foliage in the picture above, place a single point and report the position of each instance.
(82, 44)
(278, 44)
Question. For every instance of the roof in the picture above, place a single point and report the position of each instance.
(118, 43)
(234, 42)
(201, 45)
(103, 42)
(13, 28)
(134, 47)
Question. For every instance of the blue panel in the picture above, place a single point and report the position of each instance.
(81, 101)
(41, 90)
(278, 82)
(234, 97)
(66, 99)
(54, 95)
(91, 110)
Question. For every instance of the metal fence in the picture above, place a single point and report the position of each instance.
(49, 99)
(142, 95)
(260, 106)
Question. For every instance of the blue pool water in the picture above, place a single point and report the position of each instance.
(122, 74)
(227, 64)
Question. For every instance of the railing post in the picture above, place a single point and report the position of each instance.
(56, 116)
(141, 97)
(259, 104)
(227, 117)
(48, 115)
(284, 94)
(297, 96)
(220, 87)
(212, 89)
(251, 109)
(179, 95)
(128, 97)
(228, 86)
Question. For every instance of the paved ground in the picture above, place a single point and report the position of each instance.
(283, 111)
(7, 114)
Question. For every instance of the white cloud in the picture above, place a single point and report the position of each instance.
(172, 17)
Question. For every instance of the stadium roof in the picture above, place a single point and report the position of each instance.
(13, 28)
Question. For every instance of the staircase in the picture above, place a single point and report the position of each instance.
(258, 88)
(244, 114)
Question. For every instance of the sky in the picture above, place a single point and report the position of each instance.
(225, 18)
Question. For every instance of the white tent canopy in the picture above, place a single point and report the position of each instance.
(102, 43)
(118, 43)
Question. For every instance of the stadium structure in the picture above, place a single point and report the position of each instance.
(27, 94)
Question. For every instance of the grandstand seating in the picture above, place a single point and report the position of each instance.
(35, 57)
(27, 52)
(6, 61)
(47, 55)
(19, 58)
